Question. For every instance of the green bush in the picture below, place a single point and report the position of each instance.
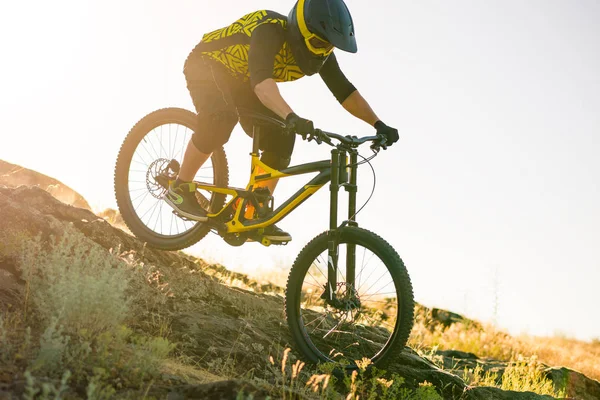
(76, 282)
(77, 291)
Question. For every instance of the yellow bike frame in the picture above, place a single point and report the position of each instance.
(238, 223)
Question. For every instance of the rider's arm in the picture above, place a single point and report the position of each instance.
(356, 105)
(345, 92)
(265, 42)
(268, 93)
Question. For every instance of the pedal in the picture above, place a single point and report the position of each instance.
(268, 242)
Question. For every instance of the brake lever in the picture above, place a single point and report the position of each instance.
(376, 147)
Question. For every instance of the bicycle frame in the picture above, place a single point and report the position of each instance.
(333, 170)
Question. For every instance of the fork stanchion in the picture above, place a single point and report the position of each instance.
(351, 188)
(334, 188)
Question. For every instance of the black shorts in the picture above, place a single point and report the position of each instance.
(216, 96)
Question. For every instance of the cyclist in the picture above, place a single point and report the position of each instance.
(239, 65)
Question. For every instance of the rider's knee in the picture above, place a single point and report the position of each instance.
(214, 130)
(275, 160)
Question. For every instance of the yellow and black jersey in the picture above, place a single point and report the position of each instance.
(231, 46)
(254, 48)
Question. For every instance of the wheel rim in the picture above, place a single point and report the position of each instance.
(361, 320)
(151, 156)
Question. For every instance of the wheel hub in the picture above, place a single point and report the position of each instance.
(159, 173)
(345, 297)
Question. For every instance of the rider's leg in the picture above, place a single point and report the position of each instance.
(216, 111)
(192, 161)
(277, 149)
(217, 117)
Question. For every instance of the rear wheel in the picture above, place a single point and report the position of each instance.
(153, 147)
(369, 316)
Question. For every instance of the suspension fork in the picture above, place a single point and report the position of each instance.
(338, 170)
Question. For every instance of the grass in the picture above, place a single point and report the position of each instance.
(293, 379)
(487, 341)
(521, 375)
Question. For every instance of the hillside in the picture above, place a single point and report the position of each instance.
(88, 312)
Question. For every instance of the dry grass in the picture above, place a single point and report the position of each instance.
(488, 341)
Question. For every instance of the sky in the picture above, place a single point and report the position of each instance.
(491, 196)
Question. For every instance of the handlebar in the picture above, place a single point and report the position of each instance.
(320, 136)
(353, 141)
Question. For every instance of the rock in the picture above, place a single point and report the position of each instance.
(575, 384)
(12, 175)
(462, 355)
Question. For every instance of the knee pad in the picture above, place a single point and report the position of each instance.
(275, 160)
(214, 130)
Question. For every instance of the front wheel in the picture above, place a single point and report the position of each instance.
(367, 313)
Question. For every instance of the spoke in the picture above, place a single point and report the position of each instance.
(320, 318)
(364, 266)
(374, 301)
(324, 276)
(149, 219)
(335, 327)
(152, 145)
(316, 327)
(172, 156)
(143, 162)
(312, 284)
(380, 294)
(147, 141)
(144, 198)
(384, 272)
(314, 279)
(376, 322)
(183, 145)
(369, 295)
(371, 274)
(177, 224)
(160, 142)
(145, 193)
(158, 216)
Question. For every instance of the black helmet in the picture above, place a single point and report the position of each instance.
(315, 28)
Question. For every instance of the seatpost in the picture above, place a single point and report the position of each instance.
(255, 139)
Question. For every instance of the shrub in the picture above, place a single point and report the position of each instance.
(76, 282)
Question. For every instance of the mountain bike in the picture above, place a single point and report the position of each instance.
(348, 294)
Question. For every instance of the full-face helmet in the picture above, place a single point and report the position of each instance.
(315, 28)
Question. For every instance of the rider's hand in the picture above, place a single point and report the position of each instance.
(299, 125)
(391, 134)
